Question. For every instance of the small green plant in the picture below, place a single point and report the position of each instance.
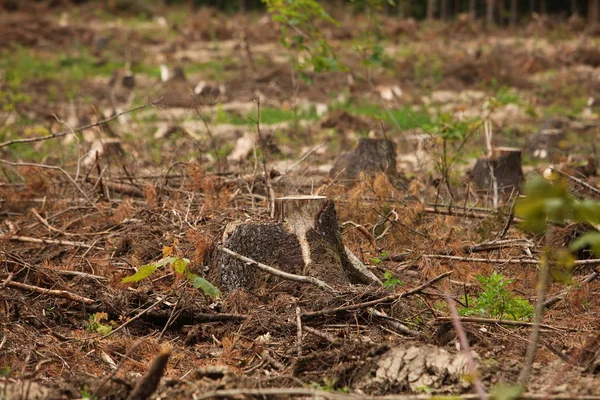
(5, 371)
(424, 389)
(299, 21)
(96, 323)
(329, 385)
(390, 281)
(496, 301)
(505, 95)
(181, 267)
(380, 258)
(87, 394)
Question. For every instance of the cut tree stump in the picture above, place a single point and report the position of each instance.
(304, 240)
(371, 156)
(549, 143)
(503, 167)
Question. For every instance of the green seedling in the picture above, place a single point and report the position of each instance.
(390, 281)
(181, 267)
(496, 301)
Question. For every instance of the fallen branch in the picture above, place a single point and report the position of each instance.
(273, 271)
(497, 244)
(27, 239)
(49, 292)
(532, 261)
(491, 321)
(118, 187)
(485, 260)
(556, 298)
(392, 322)
(457, 213)
(366, 304)
(577, 181)
(72, 131)
(78, 274)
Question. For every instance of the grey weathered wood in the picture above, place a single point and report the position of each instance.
(371, 156)
(503, 166)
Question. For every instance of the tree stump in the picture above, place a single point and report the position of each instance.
(371, 156)
(549, 143)
(503, 167)
(304, 240)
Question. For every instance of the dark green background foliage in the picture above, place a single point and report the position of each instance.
(417, 8)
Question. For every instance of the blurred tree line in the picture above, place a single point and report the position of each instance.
(502, 12)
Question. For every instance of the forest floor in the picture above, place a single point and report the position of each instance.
(181, 159)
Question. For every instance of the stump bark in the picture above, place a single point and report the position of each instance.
(502, 170)
(371, 156)
(304, 240)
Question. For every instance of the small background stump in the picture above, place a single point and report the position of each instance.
(371, 156)
(549, 143)
(504, 165)
(305, 240)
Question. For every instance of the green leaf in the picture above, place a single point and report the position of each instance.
(544, 200)
(506, 392)
(104, 329)
(180, 265)
(144, 272)
(200, 283)
(587, 211)
(591, 239)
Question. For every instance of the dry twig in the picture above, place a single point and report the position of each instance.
(464, 344)
(386, 299)
(72, 131)
(27, 239)
(49, 292)
(491, 321)
(274, 271)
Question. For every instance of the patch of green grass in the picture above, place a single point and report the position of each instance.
(404, 50)
(268, 116)
(428, 70)
(213, 69)
(556, 110)
(22, 65)
(272, 116)
(404, 117)
(506, 95)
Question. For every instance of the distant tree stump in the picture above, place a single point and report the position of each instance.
(371, 156)
(305, 240)
(549, 143)
(503, 166)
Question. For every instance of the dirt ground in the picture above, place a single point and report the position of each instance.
(85, 203)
